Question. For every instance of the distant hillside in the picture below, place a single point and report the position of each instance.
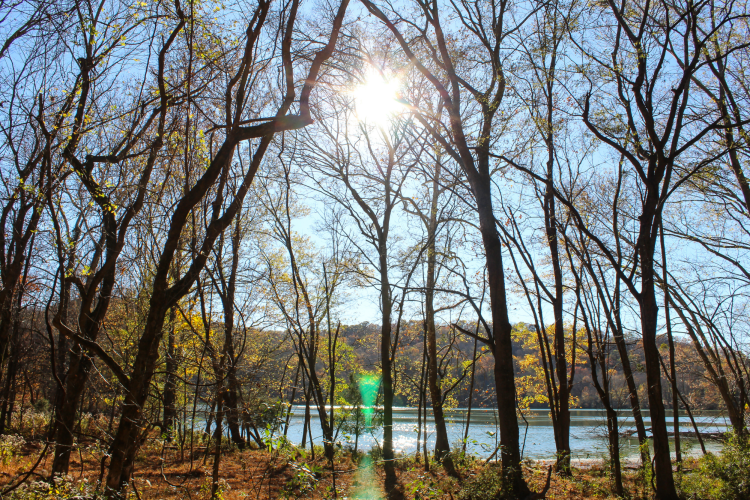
(457, 349)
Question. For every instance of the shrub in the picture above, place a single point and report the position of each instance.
(10, 446)
(489, 484)
(460, 459)
(61, 488)
(722, 476)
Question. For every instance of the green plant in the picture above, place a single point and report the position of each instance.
(461, 459)
(722, 476)
(304, 479)
(60, 488)
(31, 424)
(353, 423)
(10, 445)
(263, 413)
(489, 484)
(375, 454)
(41, 406)
(207, 486)
(427, 486)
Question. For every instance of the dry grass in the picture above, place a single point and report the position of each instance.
(163, 474)
(259, 474)
(589, 483)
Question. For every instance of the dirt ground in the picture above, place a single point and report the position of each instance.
(165, 473)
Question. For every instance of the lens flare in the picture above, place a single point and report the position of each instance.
(368, 387)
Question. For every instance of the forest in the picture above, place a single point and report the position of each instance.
(216, 212)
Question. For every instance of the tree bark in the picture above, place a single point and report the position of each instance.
(387, 371)
(170, 384)
(635, 405)
(502, 349)
(442, 446)
(665, 488)
(562, 420)
(231, 395)
(471, 394)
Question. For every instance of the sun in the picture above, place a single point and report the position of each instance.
(377, 100)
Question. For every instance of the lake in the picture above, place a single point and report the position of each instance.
(588, 431)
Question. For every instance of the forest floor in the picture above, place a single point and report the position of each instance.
(163, 473)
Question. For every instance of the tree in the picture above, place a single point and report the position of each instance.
(304, 301)
(436, 208)
(144, 136)
(466, 91)
(544, 45)
(645, 112)
(363, 168)
(165, 292)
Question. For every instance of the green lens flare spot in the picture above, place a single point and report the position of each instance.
(368, 387)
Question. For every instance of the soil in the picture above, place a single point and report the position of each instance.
(163, 472)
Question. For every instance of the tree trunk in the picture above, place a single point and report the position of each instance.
(123, 447)
(170, 384)
(291, 400)
(217, 442)
(622, 350)
(421, 401)
(665, 489)
(442, 446)
(599, 360)
(471, 395)
(80, 366)
(231, 395)
(502, 349)
(387, 371)
(562, 420)
(614, 449)
(672, 367)
(307, 414)
(8, 394)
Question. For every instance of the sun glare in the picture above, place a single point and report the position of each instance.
(376, 101)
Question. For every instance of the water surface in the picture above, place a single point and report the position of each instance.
(587, 434)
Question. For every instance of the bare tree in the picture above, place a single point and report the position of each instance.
(166, 291)
(363, 169)
(304, 302)
(471, 96)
